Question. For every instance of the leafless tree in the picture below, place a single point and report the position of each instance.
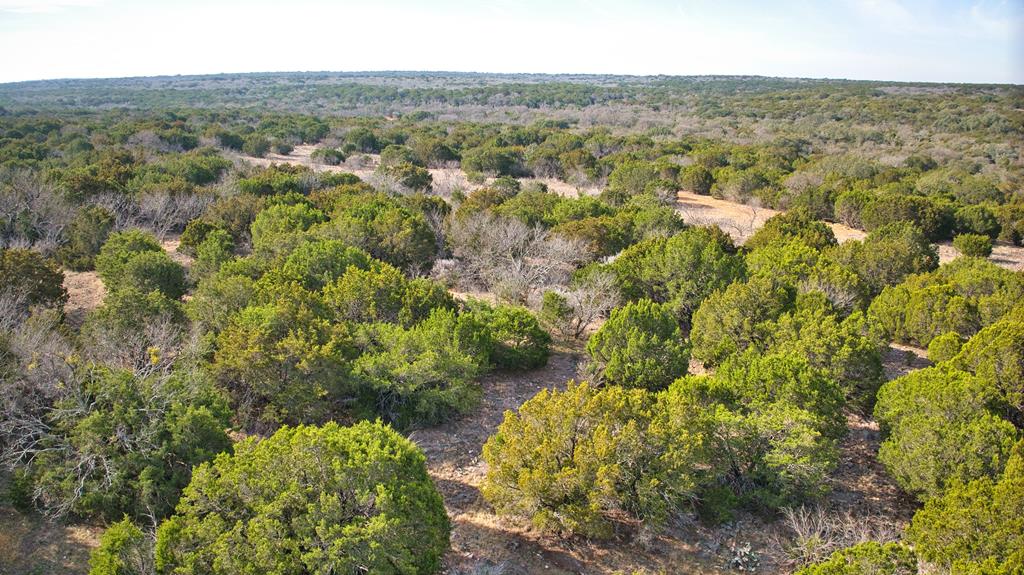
(47, 393)
(589, 300)
(388, 183)
(163, 212)
(510, 257)
(744, 226)
(146, 352)
(124, 208)
(150, 141)
(27, 203)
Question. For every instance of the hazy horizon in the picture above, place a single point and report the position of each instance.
(941, 41)
(370, 73)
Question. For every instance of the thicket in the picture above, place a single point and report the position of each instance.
(314, 296)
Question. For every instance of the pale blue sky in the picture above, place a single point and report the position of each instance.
(918, 40)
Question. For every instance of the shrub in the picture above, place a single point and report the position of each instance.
(1011, 223)
(996, 356)
(85, 236)
(571, 460)
(282, 147)
(694, 264)
(28, 274)
(962, 296)
(730, 321)
(556, 313)
(867, 558)
(217, 298)
(493, 160)
(118, 250)
(363, 139)
(281, 228)
(283, 362)
(408, 176)
(425, 374)
(124, 549)
(570, 312)
(235, 214)
(387, 230)
(639, 346)
(794, 224)
(938, 429)
(602, 235)
(944, 347)
(194, 234)
(217, 248)
(317, 264)
(681, 271)
(120, 444)
(849, 206)
(318, 500)
(518, 340)
(935, 217)
(977, 220)
(329, 156)
(278, 180)
(255, 145)
(383, 294)
(843, 348)
(756, 381)
(888, 255)
(757, 454)
(148, 271)
(975, 527)
(630, 178)
(697, 179)
(973, 245)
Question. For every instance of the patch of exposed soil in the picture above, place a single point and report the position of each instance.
(861, 487)
(739, 220)
(1005, 255)
(899, 360)
(170, 245)
(85, 293)
(30, 545)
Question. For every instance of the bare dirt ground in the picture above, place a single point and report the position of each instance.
(739, 220)
(170, 245)
(29, 545)
(85, 293)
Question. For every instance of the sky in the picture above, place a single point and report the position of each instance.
(904, 40)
